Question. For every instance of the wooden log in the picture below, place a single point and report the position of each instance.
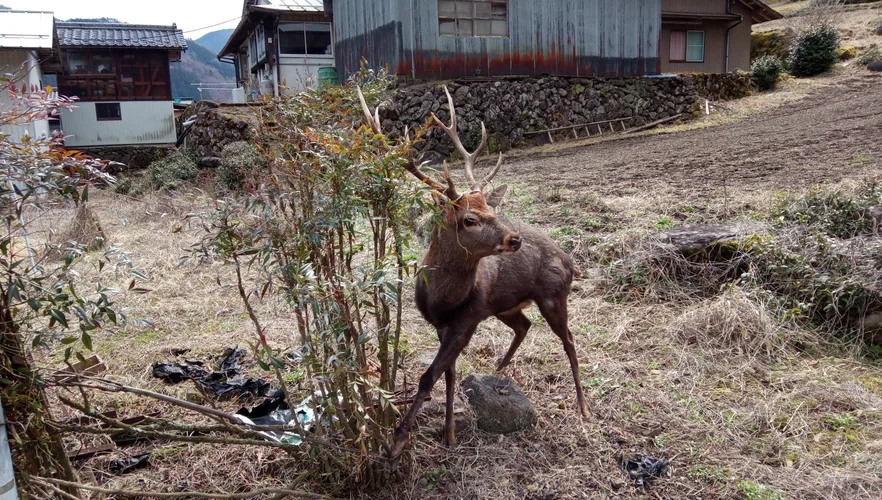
(654, 124)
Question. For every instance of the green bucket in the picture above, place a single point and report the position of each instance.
(327, 76)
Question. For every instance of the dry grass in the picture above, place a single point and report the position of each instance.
(715, 382)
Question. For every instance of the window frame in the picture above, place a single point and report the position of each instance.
(108, 104)
(685, 58)
(455, 18)
(138, 75)
(703, 46)
(330, 26)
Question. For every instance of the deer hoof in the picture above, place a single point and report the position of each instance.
(399, 443)
(449, 439)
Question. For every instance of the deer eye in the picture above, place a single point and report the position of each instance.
(470, 221)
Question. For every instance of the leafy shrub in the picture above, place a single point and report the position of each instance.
(330, 236)
(770, 43)
(814, 50)
(237, 160)
(755, 491)
(869, 55)
(171, 171)
(834, 212)
(765, 71)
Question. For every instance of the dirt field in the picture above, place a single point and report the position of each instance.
(830, 135)
(799, 423)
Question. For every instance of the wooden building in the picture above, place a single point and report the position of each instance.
(709, 36)
(437, 39)
(120, 73)
(280, 45)
(440, 39)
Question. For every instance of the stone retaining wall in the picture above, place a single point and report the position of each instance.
(133, 157)
(215, 127)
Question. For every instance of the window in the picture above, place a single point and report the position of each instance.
(101, 75)
(257, 45)
(473, 18)
(312, 39)
(107, 111)
(687, 46)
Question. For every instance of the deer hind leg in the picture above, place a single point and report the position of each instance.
(518, 322)
(449, 422)
(556, 314)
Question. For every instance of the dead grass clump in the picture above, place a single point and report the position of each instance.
(85, 233)
(736, 320)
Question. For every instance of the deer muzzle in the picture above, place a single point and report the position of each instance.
(512, 243)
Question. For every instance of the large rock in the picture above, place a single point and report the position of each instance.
(695, 237)
(875, 66)
(499, 404)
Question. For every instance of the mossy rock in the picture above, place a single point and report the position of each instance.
(847, 53)
(773, 43)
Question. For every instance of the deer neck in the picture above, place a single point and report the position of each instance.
(451, 272)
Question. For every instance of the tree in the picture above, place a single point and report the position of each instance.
(38, 300)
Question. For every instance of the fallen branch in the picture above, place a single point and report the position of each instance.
(283, 492)
(654, 124)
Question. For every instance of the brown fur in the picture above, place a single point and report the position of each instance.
(473, 273)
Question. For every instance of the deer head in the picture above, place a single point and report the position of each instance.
(470, 219)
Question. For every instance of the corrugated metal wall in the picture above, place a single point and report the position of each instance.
(26, 68)
(558, 37)
(143, 122)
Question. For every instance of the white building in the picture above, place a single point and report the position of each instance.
(26, 37)
(281, 46)
(121, 75)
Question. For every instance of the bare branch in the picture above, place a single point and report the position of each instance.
(181, 494)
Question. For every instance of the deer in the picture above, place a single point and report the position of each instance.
(478, 266)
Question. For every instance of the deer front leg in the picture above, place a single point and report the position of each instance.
(451, 346)
(449, 422)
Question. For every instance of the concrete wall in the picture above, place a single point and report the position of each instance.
(143, 122)
(25, 66)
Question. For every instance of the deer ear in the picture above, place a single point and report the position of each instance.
(495, 197)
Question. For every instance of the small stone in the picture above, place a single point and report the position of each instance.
(209, 162)
(498, 402)
(875, 66)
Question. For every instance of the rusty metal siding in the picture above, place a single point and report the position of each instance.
(556, 37)
(702, 6)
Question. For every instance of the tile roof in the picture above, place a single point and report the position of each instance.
(120, 35)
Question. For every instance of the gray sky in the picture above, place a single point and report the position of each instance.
(190, 15)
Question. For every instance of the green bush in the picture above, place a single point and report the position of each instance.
(869, 55)
(770, 43)
(877, 26)
(171, 171)
(765, 71)
(814, 50)
(238, 159)
(836, 213)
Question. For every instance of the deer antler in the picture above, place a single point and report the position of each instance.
(410, 165)
(469, 159)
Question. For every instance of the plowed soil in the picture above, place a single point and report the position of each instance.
(834, 133)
